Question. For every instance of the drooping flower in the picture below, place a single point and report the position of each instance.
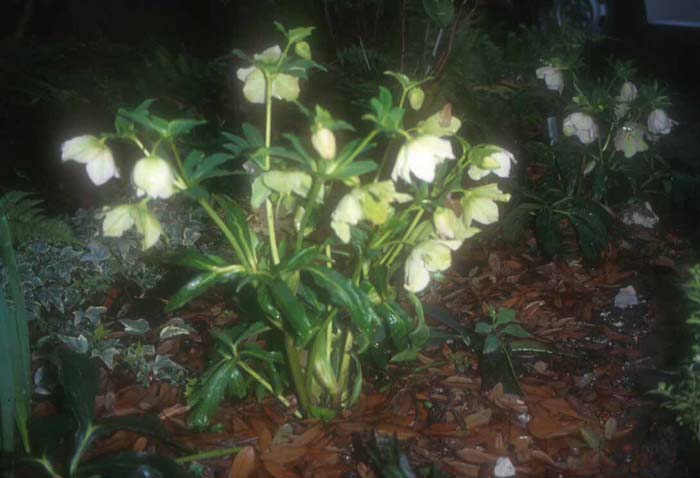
(659, 122)
(553, 78)
(581, 125)
(324, 143)
(421, 156)
(490, 159)
(630, 139)
(284, 86)
(154, 178)
(628, 92)
(94, 154)
(118, 220)
(347, 213)
(479, 204)
(372, 203)
(147, 225)
(450, 227)
(433, 255)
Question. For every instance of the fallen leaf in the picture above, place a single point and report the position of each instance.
(243, 464)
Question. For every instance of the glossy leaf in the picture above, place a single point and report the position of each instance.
(79, 380)
(199, 285)
(292, 312)
(194, 259)
(206, 398)
(132, 465)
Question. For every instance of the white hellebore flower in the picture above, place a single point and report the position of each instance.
(421, 156)
(450, 227)
(433, 255)
(324, 143)
(490, 159)
(628, 92)
(147, 225)
(347, 213)
(94, 154)
(479, 204)
(153, 177)
(630, 139)
(581, 125)
(553, 78)
(659, 122)
(118, 220)
(284, 86)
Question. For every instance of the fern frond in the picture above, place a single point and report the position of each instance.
(28, 220)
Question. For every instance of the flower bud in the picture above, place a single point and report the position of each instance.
(659, 122)
(416, 97)
(324, 142)
(153, 178)
(303, 50)
(628, 92)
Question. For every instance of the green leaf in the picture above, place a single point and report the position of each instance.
(398, 323)
(79, 380)
(149, 425)
(207, 396)
(491, 344)
(505, 316)
(301, 259)
(199, 285)
(136, 327)
(528, 346)
(515, 330)
(182, 126)
(253, 136)
(483, 328)
(292, 311)
(132, 465)
(591, 230)
(237, 221)
(356, 168)
(298, 34)
(442, 12)
(194, 259)
(343, 293)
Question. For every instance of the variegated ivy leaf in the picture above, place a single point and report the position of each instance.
(135, 326)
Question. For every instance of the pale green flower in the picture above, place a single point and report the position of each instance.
(324, 143)
(553, 78)
(285, 183)
(479, 204)
(630, 139)
(581, 125)
(117, 221)
(284, 86)
(433, 255)
(440, 124)
(94, 154)
(371, 203)
(154, 178)
(421, 156)
(347, 213)
(147, 225)
(490, 159)
(450, 227)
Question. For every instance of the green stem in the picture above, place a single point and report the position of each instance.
(269, 213)
(316, 186)
(344, 369)
(265, 384)
(80, 450)
(297, 373)
(208, 455)
(396, 250)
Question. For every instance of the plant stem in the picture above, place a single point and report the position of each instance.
(344, 369)
(296, 371)
(80, 450)
(316, 186)
(265, 384)
(269, 213)
(208, 455)
(396, 250)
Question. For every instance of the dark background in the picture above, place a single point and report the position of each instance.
(34, 33)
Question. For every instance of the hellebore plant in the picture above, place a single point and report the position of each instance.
(362, 236)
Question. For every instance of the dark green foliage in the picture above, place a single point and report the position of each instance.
(29, 222)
